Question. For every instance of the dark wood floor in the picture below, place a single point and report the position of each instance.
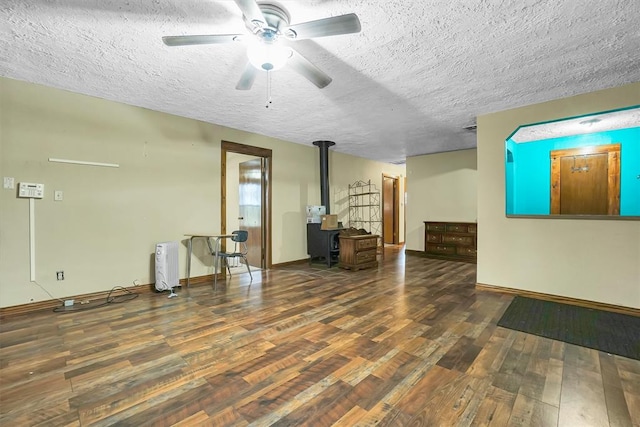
(406, 344)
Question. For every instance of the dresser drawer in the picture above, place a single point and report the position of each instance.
(434, 238)
(368, 243)
(365, 256)
(466, 251)
(441, 249)
(458, 240)
(457, 228)
(436, 227)
(472, 228)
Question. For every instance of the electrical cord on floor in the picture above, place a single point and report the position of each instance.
(48, 293)
(162, 281)
(127, 296)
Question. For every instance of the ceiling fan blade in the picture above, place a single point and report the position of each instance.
(336, 25)
(247, 78)
(251, 10)
(205, 39)
(312, 73)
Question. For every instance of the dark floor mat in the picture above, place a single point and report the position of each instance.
(606, 331)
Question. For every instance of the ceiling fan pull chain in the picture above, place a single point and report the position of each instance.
(268, 89)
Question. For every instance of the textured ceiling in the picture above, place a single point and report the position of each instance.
(621, 119)
(407, 84)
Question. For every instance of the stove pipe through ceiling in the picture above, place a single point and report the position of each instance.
(324, 172)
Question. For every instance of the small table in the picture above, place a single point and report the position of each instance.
(213, 248)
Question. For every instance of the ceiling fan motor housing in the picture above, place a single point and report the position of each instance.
(268, 55)
(276, 17)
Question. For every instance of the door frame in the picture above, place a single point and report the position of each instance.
(266, 154)
(396, 208)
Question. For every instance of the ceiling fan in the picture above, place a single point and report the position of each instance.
(270, 24)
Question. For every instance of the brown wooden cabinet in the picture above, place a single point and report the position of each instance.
(357, 252)
(455, 241)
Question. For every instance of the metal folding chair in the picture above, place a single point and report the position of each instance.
(240, 250)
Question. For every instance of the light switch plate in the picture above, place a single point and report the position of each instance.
(9, 183)
(58, 195)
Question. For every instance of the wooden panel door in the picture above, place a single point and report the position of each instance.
(584, 185)
(250, 209)
(390, 209)
(586, 180)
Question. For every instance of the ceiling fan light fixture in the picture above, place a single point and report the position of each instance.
(268, 56)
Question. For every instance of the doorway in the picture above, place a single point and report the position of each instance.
(246, 197)
(390, 204)
(586, 181)
(250, 202)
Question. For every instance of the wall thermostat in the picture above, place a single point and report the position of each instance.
(30, 190)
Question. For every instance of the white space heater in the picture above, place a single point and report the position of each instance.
(167, 267)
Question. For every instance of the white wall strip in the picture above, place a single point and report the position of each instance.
(32, 239)
(81, 162)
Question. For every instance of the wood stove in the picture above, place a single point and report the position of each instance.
(323, 245)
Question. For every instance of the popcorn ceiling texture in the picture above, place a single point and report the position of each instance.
(406, 85)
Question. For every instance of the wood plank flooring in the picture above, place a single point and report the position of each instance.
(409, 343)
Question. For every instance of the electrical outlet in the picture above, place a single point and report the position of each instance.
(60, 275)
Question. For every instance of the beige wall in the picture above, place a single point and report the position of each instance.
(441, 187)
(346, 170)
(104, 232)
(596, 260)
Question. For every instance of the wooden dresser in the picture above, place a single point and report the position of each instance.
(455, 241)
(359, 251)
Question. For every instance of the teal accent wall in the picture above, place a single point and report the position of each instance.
(528, 177)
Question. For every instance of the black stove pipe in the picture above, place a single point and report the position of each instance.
(324, 171)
